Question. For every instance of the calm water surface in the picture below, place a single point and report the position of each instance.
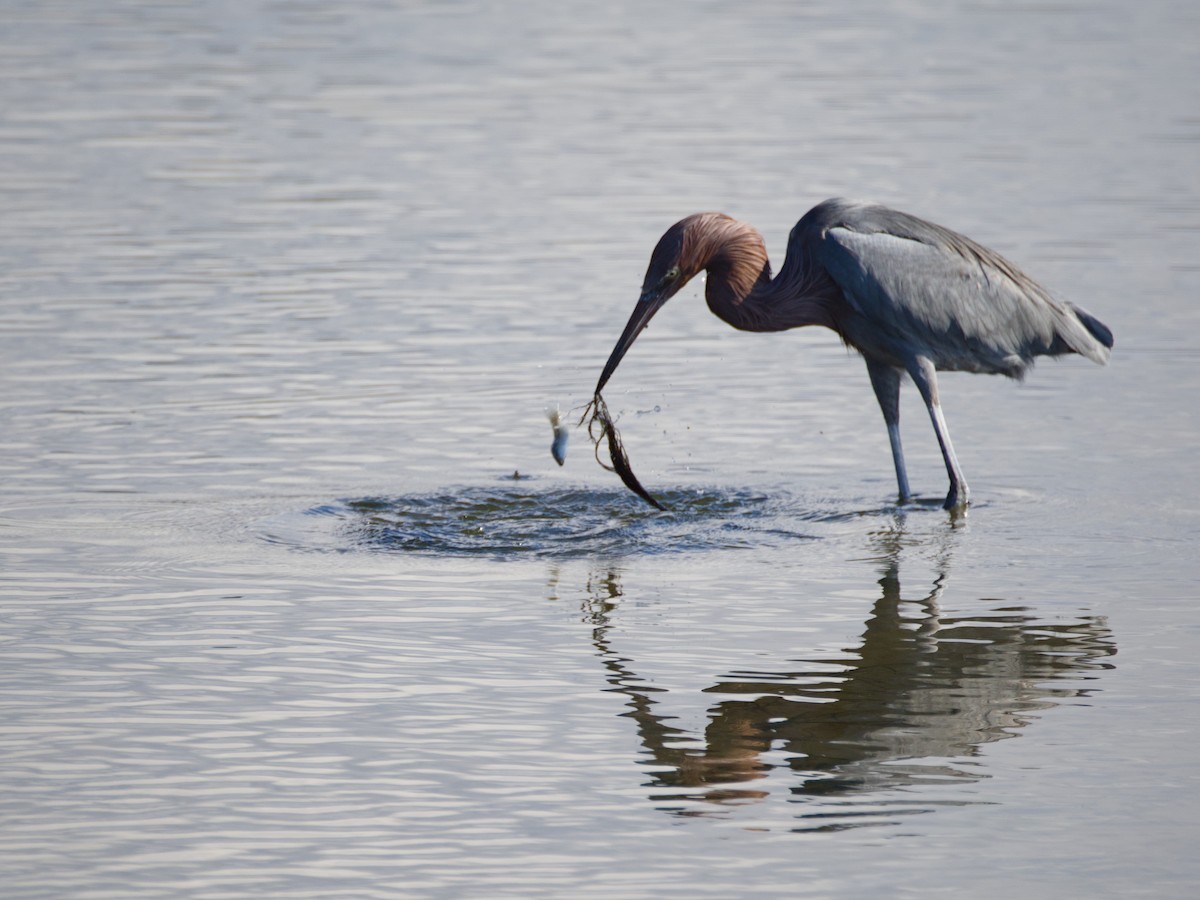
(295, 602)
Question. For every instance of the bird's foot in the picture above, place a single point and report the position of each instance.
(957, 500)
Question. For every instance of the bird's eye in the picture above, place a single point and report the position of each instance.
(672, 274)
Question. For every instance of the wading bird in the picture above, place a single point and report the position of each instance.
(910, 296)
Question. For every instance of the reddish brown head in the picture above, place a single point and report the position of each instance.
(731, 251)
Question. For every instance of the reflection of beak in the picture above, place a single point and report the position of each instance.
(648, 304)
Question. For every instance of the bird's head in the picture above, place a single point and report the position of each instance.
(682, 252)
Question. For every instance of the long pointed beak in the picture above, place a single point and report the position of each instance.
(648, 304)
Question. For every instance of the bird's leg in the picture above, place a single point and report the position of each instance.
(925, 378)
(886, 382)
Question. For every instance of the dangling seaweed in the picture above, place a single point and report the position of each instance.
(597, 416)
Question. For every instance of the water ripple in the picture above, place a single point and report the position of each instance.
(553, 523)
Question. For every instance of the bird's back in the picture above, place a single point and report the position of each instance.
(914, 288)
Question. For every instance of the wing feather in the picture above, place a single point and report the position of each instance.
(918, 289)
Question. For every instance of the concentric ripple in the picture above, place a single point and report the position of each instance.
(518, 520)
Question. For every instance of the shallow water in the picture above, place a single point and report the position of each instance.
(295, 601)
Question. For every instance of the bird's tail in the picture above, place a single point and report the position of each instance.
(1093, 340)
(1099, 330)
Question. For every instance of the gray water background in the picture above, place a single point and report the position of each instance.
(284, 289)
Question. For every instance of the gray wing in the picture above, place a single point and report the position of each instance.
(918, 289)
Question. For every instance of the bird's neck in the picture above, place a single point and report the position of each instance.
(741, 291)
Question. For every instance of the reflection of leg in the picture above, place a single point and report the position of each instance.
(886, 382)
(925, 378)
(927, 630)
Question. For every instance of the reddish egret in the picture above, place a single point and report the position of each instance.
(910, 296)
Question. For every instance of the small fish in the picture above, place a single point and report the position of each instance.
(558, 449)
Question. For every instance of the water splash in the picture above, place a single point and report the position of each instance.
(521, 520)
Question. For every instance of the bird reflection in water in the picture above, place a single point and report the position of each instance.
(907, 708)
